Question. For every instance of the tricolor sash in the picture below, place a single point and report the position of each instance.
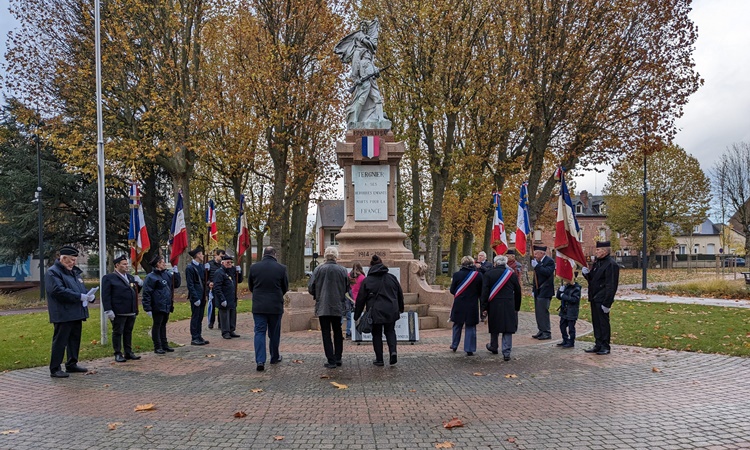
(500, 283)
(467, 281)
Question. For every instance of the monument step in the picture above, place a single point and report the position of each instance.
(422, 310)
(411, 298)
(428, 323)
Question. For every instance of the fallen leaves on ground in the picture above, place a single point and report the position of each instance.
(511, 375)
(453, 423)
(113, 425)
(148, 427)
(94, 342)
(240, 414)
(478, 374)
(17, 362)
(146, 407)
(106, 385)
(210, 356)
(512, 440)
(256, 390)
(278, 438)
(297, 361)
(412, 390)
(6, 432)
(325, 377)
(446, 444)
(655, 369)
(90, 372)
(339, 385)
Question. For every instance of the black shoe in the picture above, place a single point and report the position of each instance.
(226, 336)
(205, 342)
(197, 342)
(260, 368)
(603, 351)
(210, 326)
(278, 360)
(329, 365)
(233, 334)
(168, 349)
(394, 359)
(454, 350)
(545, 337)
(339, 363)
(378, 363)
(569, 345)
(489, 349)
(159, 351)
(132, 356)
(506, 358)
(59, 374)
(469, 353)
(593, 350)
(120, 358)
(561, 344)
(76, 368)
(536, 336)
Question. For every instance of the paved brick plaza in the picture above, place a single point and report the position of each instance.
(559, 399)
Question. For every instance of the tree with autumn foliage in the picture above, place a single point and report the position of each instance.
(678, 197)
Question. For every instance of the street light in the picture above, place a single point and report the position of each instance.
(645, 215)
(38, 198)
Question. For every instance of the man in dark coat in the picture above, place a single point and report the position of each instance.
(513, 264)
(481, 264)
(603, 279)
(268, 282)
(120, 302)
(543, 291)
(500, 303)
(195, 276)
(158, 301)
(67, 303)
(211, 268)
(226, 280)
(466, 288)
(328, 285)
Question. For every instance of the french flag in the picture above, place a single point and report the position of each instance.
(569, 251)
(522, 221)
(499, 239)
(243, 234)
(370, 146)
(178, 232)
(211, 221)
(137, 234)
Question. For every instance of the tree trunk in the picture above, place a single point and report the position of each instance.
(277, 213)
(295, 262)
(452, 257)
(467, 246)
(416, 208)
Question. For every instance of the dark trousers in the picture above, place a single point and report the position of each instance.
(66, 337)
(377, 338)
(159, 330)
(227, 320)
(507, 343)
(196, 317)
(568, 330)
(122, 334)
(271, 324)
(600, 321)
(336, 348)
(541, 312)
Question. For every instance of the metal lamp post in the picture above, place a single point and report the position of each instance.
(644, 261)
(38, 199)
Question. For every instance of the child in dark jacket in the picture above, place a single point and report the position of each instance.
(570, 299)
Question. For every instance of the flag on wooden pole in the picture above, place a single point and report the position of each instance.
(137, 234)
(522, 221)
(211, 221)
(243, 234)
(567, 244)
(499, 238)
(178, 237)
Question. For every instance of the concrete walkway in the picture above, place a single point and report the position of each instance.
(544, 398)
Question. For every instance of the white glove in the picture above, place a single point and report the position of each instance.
(110, 314)
(207, 266)
(605, 309)
(239, 269)
(585, 270)
(90, 298)
(534, 262)
(197, 303)
(175, 270)
(562, 288)
(84, 298)
(138, 280)
(150, 314)
(224, 304)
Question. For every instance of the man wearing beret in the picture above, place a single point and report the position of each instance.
(603, 279)
(120, 303)
(67, 303)
(195, 276)
(513, 264)
(158, 298)
(544, 289)
(226, 280)
(211, 268)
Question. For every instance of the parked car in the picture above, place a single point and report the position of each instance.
(734, 262)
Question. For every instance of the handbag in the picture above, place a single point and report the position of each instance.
(364, 324)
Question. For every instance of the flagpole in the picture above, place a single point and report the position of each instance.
(100, 167)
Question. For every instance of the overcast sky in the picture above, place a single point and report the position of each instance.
(716, 116)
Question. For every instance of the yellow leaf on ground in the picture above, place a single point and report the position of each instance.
(146, 407)
(90, 372)
(511, 375)
(6, 432)
(655, 369)
(297, 361)
(325, 377)
(446, 444)
(339, 386)
(453, 423)
(478, 374)
(240, 414)
(278, 438)
(94, 342)
(210, 356)
(113, 425)
(106, 385)
(256, 390)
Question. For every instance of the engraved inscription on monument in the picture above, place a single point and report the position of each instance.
(370, 192)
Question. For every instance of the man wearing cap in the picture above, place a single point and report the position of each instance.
(226, 280)
(158, 297)
(513, 264)
(211, 268)
(603, 279)
(195, 277)
(120, 302)
(67, 303)
(544, 289)
(268, 282)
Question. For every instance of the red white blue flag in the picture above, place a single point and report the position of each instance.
(370, 146)
(522, 220)
(499, 239)
(243, 234)
(137, 234)
(211, 221)
(567, 244)
(178, 237)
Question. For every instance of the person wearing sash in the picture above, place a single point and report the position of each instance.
(543, 291)
(500, 303)
(466, 287)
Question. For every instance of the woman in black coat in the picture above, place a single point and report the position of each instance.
(466, 288)
(382, 294)
(500, 303)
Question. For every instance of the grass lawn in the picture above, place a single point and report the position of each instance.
(26, 339)
(728, 289)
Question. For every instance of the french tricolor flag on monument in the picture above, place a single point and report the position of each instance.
(370, 146)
